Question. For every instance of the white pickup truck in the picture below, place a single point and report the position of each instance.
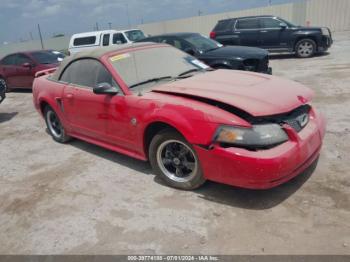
(84, 41)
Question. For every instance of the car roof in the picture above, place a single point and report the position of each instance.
(96, 53)
(101, 32)
(179, 34)
(28, 52)
(244, 17)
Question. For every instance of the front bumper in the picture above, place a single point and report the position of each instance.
(325, 43)
(265, 168)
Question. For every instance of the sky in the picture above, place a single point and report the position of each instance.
(19, 18)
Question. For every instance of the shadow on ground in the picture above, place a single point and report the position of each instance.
(138, 165)
(215, 192)
(4, 117)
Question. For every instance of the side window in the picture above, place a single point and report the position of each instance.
(87, 73)
(247, 24)
(105, 41)
(118, 38)
(88, 40)
(21, 59)
(270, 23)
(222, 25)
(8, 60)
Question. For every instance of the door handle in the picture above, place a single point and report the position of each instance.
(263, 31)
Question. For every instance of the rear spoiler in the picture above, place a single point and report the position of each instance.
(45, 72)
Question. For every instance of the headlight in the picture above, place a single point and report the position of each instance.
(325, 31)
(259, 136)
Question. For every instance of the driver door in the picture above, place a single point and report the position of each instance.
(89, 114)
(272, 35)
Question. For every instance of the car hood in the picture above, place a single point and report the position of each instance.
(256, 94)
(237, 51)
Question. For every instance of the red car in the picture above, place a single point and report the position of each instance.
(154, 102)
(18, 70)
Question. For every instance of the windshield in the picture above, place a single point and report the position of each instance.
(202, 43)
(44, 57)
(135, 35)
(158, 64)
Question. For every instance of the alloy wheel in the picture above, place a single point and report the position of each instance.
(305, 49)
(54, 124)
(177, 161)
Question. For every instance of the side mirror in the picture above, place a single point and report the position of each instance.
(283, 25)
(27, 65)
(189, 51)
(105, 89)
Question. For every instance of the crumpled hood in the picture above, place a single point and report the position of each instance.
(237, 51)
(256, 94)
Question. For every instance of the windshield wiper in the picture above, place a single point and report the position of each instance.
(151, 80)
(190, 71)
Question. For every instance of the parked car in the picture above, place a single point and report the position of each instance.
(215, 54)
(154, 102)
(18, 70)
(85, 41)
(274, 34)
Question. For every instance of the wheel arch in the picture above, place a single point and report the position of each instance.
(154, 128)
(302, 37)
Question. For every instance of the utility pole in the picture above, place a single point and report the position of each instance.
(96, 26)
(127, 13)
(41, 38)
(110, 25)
(31, 36)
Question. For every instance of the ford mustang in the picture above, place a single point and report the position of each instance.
(154, 102)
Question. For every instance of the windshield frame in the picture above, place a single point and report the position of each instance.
(127, 33)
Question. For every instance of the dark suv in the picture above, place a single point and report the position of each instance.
(214, 54)
(274, 34)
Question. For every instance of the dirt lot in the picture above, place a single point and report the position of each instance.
(82, 199)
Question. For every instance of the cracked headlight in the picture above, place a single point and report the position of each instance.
(259, 136)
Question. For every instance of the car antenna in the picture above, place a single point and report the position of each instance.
(136, 72)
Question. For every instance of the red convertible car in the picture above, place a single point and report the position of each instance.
(154, 102)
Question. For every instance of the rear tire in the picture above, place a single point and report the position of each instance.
(55, 126)
(305, 48)
(175, 161)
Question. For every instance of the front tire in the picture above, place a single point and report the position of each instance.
(55, 126)
(3, 84)
(305, 48)
(175, 161)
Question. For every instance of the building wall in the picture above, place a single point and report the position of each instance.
(334, 14)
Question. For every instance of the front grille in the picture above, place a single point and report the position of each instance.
(297, 119)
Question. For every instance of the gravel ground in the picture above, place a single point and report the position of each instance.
(82, 199)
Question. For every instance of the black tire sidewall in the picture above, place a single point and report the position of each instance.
(305, 40)
(63, 138)
(6, 87)
(157, 140)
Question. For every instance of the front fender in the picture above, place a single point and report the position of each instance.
(193, 130)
